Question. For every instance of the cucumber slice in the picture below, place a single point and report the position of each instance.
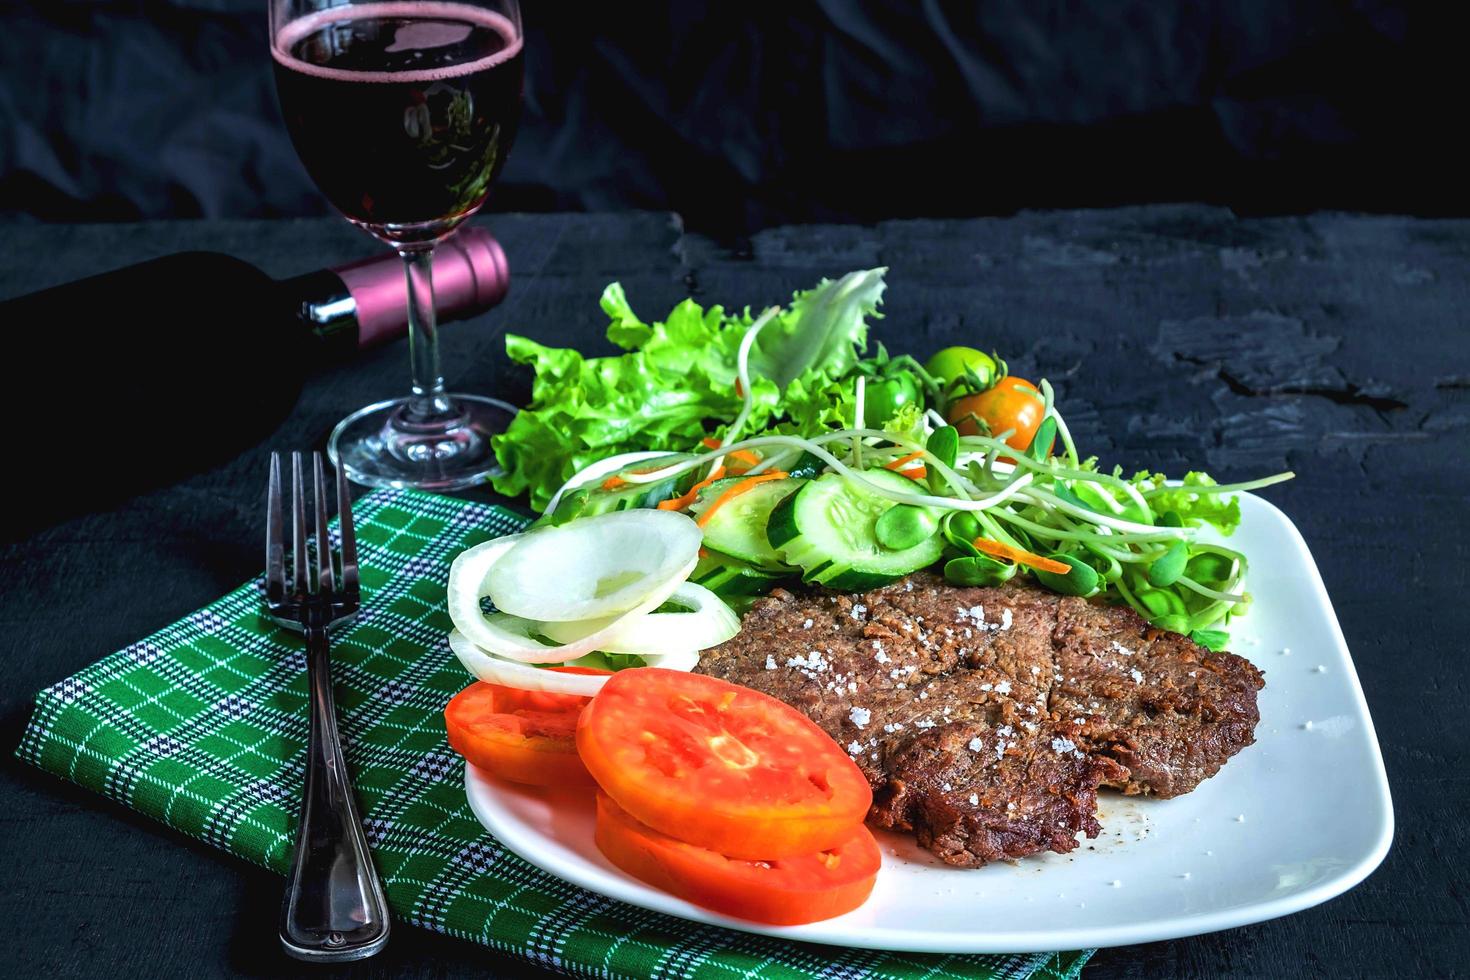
(826, 528)
(728, 577)
(590, 501)
(807, 467)
(738, 528)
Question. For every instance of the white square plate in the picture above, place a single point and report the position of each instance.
(1296, 819)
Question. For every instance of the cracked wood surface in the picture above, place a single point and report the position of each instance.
(1177, 336)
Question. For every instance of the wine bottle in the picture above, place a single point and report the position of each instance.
(180, 363)
(366, 303)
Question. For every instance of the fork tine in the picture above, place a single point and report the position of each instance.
(275, 548)
(349, 541)
(325, 582)
(300, 576)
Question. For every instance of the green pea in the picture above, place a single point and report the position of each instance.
(966, 525)
(1166, 569)
(1174, 623)
(1171, 518)
(960, 529)
(904, 526)
(1081, 580)
(977, 570)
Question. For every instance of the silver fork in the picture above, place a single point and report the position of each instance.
(334, 907)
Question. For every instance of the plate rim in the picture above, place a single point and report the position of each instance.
(624, 888)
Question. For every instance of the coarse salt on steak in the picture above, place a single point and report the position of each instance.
(986, 719)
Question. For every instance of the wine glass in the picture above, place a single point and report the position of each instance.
(402, 112)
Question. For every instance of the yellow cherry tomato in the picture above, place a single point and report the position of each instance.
(1014, 403)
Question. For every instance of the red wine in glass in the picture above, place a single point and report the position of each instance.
(402, 112)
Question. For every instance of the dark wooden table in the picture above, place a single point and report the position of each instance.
(1176, 336)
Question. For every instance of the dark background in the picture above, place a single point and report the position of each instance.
(746, 115)
(1343, 348)
(1177, 336)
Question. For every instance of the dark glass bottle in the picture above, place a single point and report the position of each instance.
(215, 367)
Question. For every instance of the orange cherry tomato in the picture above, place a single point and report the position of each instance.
(781, 891)
(720, 766)
(523, 736)
(1014, 403)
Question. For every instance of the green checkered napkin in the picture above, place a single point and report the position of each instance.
(203, 726)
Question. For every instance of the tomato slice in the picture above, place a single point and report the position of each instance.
(719, 765)
(523, 736)
(782, 891)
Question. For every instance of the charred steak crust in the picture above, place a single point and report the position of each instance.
(986, 718)
(1170, 711)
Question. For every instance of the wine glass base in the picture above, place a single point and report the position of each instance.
(384, 446)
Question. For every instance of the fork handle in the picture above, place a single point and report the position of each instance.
(334, 907)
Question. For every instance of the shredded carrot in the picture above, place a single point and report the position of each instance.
(615, 481)
(913, 472)
(747, 484)
(744, 456)
(679, 503)
(740, 455)
(1021, 556)
(899, 463)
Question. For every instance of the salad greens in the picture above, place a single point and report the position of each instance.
(678, 381)
(885, 467)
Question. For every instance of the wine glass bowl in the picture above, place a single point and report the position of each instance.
(402, 112)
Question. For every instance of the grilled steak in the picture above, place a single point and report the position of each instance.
(986, 719)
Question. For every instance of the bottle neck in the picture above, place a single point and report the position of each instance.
(366, 303)
(328, 310)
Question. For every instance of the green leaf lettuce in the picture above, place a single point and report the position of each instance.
(676, 382)
(1218, 509)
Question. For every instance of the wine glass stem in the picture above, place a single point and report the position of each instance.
(428, 402)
